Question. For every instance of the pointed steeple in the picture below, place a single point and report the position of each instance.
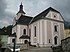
(21, 6)
(21, 9)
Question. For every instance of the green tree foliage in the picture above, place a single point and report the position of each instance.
(8, 29)
(0, 42)
(5, 31)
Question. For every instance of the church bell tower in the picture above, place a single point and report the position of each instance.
(20, 12)
(21, 9)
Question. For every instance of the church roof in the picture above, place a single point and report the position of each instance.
(21, 11)
(43, 14)
(24, 20)
(24, 37)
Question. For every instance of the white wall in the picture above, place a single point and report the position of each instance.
(19, 32)
(41, 32)
(51, 16)
(10, 38)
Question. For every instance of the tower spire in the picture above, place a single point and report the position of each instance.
(21, 9)
(21, 6)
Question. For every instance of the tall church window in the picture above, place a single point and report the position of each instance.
(55, 40)
(35, 30)
(49, 40)
(24, 31)
(30, 32)
(55, 28)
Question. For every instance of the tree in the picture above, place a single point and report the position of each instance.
(0, 42)
(7, 30)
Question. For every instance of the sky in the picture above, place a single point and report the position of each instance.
(9, 8)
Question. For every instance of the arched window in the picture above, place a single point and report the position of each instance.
(55, 40)
(35, 30)
(49, 41)
(25, 41)
(30, 32)
(24, 31)
(55, 28)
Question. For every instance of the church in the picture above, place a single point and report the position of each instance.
(45, 29)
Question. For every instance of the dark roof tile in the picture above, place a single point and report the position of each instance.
(24, 20)
(24, 37)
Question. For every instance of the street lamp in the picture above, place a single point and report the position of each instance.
(14, 41)
(14, 45)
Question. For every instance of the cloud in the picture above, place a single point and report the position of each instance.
(4, 22)
(33, 7)
(2, 8)
(5, 15)
(8, 8)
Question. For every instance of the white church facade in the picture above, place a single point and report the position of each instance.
(45, 29)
